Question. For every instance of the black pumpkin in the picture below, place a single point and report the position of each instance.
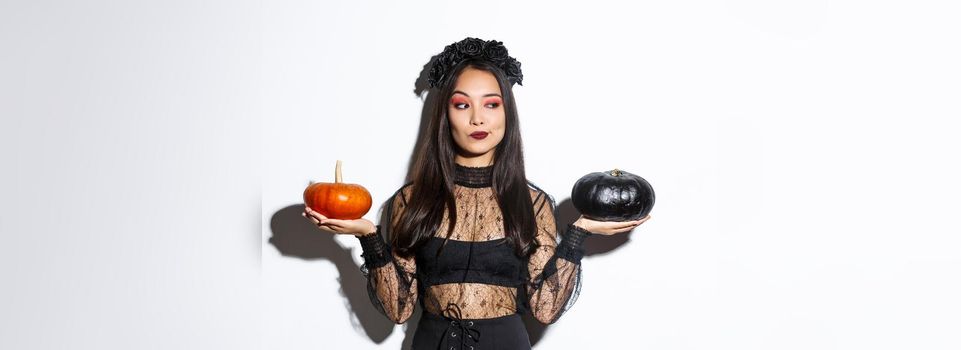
(614, 195)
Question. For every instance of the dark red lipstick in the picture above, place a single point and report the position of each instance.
(480, 135)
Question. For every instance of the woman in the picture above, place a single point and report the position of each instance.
(470, 238)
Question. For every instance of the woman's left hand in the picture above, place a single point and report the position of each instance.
(608, 228)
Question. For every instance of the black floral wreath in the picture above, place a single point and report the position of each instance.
(473, 48)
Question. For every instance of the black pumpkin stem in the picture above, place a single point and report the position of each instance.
(615, 172)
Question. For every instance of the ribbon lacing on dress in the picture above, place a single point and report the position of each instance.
(467, 329)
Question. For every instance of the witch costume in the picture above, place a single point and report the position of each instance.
(472, 286)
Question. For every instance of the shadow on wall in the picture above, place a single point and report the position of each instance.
(295, 236)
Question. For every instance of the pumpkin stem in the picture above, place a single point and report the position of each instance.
(615, 172)
(337, 177)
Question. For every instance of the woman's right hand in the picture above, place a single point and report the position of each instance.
(358, 227)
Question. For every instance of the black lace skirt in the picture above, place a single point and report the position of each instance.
(438, 332)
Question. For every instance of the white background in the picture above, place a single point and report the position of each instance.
(803, 154)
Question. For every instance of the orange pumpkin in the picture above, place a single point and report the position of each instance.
(338, 200)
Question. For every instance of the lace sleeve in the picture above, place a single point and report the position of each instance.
(391, 285)
(554, 279)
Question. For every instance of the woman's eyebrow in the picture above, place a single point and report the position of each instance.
(465, 94)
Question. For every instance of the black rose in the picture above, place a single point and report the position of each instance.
(513, 70)
(495, 52)
(437, 70)
(435, 75)
(470, 47)
(452, 58)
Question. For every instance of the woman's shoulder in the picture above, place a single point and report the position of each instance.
(403, 193)
(538, 194)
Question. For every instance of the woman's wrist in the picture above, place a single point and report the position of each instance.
(572, 240)
(579, 225)
(575, 235)
(371, 241)
(376, 253)
(371, 233)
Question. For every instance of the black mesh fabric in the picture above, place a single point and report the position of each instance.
(476, 275)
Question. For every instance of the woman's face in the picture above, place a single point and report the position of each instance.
(476, 115)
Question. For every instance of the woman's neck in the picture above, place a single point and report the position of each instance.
(475, 162)
(473, 176)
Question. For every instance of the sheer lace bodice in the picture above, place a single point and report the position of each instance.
(476, 274)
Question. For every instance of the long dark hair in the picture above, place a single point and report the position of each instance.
(433, 174)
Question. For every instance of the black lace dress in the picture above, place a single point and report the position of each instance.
(474, 291)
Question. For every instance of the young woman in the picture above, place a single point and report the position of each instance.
(471, 239)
